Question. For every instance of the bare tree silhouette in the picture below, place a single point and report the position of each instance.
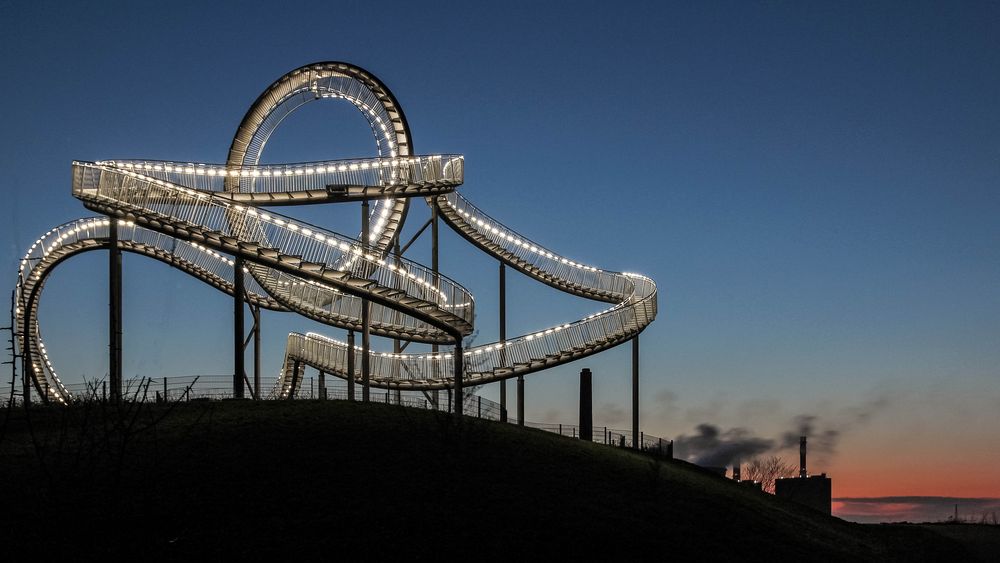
(766, 470)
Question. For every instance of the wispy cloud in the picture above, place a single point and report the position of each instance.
(610, 413)
(825, 434)
(914, 508)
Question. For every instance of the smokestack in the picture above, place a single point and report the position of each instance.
(802, 456)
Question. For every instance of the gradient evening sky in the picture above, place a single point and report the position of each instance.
(813, 187)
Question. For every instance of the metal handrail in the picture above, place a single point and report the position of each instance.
(520, 251)
(439, 170)
(484, 363)
(91, 233)
(339, 259)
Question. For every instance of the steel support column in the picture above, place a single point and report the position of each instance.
(239, 306)
(434, 270)
(396, 348)
(635, 392)
(114, 313)
(322, 384)
(459, 369)
(520, 400)
(365, 320)
(256, 351)
(350, 365)
(503, 340)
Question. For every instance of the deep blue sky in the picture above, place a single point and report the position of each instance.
(813, 186)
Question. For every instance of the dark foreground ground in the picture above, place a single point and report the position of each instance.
(310, 480)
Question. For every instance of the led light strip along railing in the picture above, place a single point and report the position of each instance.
(634, 295)
(279, 243)
(354, 179)
(89, 234)
(485, 363)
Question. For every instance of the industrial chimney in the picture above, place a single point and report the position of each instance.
(802, 456)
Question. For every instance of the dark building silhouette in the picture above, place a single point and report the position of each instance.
(813, 491)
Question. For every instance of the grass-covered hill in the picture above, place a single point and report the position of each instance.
(317, 480)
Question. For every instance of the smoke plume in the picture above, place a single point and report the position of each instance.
(714, 448)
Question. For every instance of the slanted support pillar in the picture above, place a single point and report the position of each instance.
(239, 305)
(350, 365)
(115, 313)
(365, 320)
(586, 405)
(520, 400)
(459, 369)
(503, 340)
(635, 392)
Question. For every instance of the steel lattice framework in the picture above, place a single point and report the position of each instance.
(213, 222)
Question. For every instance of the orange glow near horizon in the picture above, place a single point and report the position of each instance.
(882, 474)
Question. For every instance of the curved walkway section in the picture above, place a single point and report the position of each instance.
(635, 308)
(89, 234)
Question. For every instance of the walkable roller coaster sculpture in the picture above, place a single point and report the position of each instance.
(210, 221)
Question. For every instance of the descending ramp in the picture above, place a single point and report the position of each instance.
(198, 217)
(633, 295)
